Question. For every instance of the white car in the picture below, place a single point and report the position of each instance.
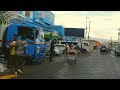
(59, 49)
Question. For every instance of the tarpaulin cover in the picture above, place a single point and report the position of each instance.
(12, 29)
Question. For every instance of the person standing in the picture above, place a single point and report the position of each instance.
(7, 56)
(11, 48)
(51, 50)
(20, 54)
(67, 48)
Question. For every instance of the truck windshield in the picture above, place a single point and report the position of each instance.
(26, 30)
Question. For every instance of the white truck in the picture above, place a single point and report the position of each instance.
(84, 45)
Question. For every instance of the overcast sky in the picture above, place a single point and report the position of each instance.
(104, 24)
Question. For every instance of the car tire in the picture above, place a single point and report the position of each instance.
(116, 54)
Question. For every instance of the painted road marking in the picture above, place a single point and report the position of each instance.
(8, 76)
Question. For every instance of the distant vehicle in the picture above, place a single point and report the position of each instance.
(104, 49)
(117, 50)
(84, 45)
(61, 47)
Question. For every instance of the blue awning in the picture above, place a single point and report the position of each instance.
(32, 25)
(39, 21)
(24, 23)
(46, 29)
(27, 25)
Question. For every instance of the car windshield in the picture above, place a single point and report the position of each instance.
(59, 45)
(103, 46)
(118, 48)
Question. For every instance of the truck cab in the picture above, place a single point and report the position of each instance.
(86, 45)
(32, 32)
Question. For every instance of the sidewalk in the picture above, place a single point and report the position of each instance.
(6, 74)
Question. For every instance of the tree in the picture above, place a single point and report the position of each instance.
(4, 16)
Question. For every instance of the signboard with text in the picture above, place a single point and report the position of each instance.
(47, 17)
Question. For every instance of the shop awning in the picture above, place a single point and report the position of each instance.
(47, 35)
(39, 21)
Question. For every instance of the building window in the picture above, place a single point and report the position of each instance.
(27, 13)
(73, 38)
(68, 38)
(37, 15)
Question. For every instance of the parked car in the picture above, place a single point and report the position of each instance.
(59, 49)
(117, 50)
(103, 49)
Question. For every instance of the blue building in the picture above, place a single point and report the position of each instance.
(33, 23)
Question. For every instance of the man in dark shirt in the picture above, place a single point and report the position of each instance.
(51, 50)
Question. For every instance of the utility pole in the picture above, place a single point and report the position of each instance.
(118, 35)
(89, 30)
(111, 41)
(86, 26)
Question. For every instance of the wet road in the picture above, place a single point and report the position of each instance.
(88, 66)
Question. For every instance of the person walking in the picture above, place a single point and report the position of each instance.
(67, 48)
(20, 54)
(51, 50)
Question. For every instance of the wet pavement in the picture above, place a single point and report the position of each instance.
(88, 66)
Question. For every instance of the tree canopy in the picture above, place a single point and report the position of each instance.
(4, 16)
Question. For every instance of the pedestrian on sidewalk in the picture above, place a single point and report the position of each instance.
(51, 50)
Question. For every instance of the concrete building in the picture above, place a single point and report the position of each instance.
(73, 34)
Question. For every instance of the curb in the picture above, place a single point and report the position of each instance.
(8, 76)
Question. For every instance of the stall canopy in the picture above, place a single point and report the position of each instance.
(54, 36)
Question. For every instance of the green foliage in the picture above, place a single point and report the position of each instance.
(4, 15)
